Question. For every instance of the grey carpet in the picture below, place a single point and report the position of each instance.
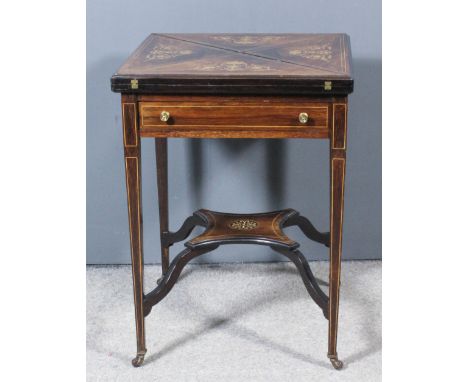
(239, 322)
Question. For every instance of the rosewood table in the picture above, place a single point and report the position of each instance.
(234, 86)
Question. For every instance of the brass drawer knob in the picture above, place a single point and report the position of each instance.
(165, 116)
(303, 117)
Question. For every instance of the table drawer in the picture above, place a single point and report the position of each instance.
(249, 118)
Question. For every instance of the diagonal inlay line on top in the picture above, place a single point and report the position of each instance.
(249, 54)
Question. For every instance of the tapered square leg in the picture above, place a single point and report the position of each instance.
(337, 178)
(135, 221)
(161, 173)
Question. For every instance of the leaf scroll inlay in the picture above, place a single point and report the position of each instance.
(243, 224)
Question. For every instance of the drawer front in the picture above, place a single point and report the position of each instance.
(234, 118)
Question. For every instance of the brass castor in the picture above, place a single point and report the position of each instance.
(337, 364)
(138, 360)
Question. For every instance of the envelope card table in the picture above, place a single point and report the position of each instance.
(234, 86)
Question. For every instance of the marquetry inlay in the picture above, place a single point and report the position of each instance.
(254, 64)
(314, 52)
(248, 40)
(164, 52)
(232, 66)
(243, 224)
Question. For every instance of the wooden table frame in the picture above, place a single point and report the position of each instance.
(132, 132)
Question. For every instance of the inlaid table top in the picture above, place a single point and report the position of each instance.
(238, 63)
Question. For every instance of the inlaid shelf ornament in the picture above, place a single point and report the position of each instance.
(262, 229)
(243, 224)
(234, 86)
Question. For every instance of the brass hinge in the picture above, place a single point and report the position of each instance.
(327, 85)
(134, 84)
